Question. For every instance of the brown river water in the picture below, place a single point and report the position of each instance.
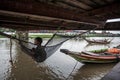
(57, 67)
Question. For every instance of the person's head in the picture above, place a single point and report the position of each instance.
(38, 41)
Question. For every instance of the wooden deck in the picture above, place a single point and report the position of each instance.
(114, 74)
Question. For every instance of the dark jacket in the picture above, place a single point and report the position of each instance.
(40, 53)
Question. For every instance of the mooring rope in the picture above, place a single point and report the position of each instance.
(72, 71)
(11, 59)
(77, 61)
(12, 37)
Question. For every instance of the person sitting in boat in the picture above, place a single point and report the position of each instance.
(39, 52)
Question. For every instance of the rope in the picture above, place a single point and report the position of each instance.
(12, 37)
(50, 39)
(11, 60)
(81, 34)
(72, 70)
(77, 61)
(53, 36)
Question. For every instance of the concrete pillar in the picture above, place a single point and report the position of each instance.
(104, 31)
(23, 35)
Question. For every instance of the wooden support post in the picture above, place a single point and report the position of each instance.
(23, 35)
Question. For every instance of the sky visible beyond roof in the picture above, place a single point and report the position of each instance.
(113, 20)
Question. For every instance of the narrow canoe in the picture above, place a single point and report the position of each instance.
(87, 58)
(98, 41)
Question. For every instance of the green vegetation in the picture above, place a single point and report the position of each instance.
(78, 58)
(33, 36)
(99, 51)
(42, 36)
(2, 36)
(6, 30)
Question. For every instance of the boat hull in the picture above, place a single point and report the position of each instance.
(90, 59)
(98, 41)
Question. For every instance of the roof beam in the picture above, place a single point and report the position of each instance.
(44, 9)
(69, 5)
(29, 23)
(37, 24)
(77, 4)
(104, 10)
(24, 28)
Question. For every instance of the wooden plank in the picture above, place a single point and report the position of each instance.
(44, 9)
(111, 8)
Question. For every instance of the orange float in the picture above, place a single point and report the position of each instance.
(114, 50)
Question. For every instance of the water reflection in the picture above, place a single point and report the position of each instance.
(5, 66)
(26, 69)
(92, 71)
(58, 66)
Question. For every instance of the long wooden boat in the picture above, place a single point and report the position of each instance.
(90, 58)
(105, 41)
(100, 57)
(86, 60)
